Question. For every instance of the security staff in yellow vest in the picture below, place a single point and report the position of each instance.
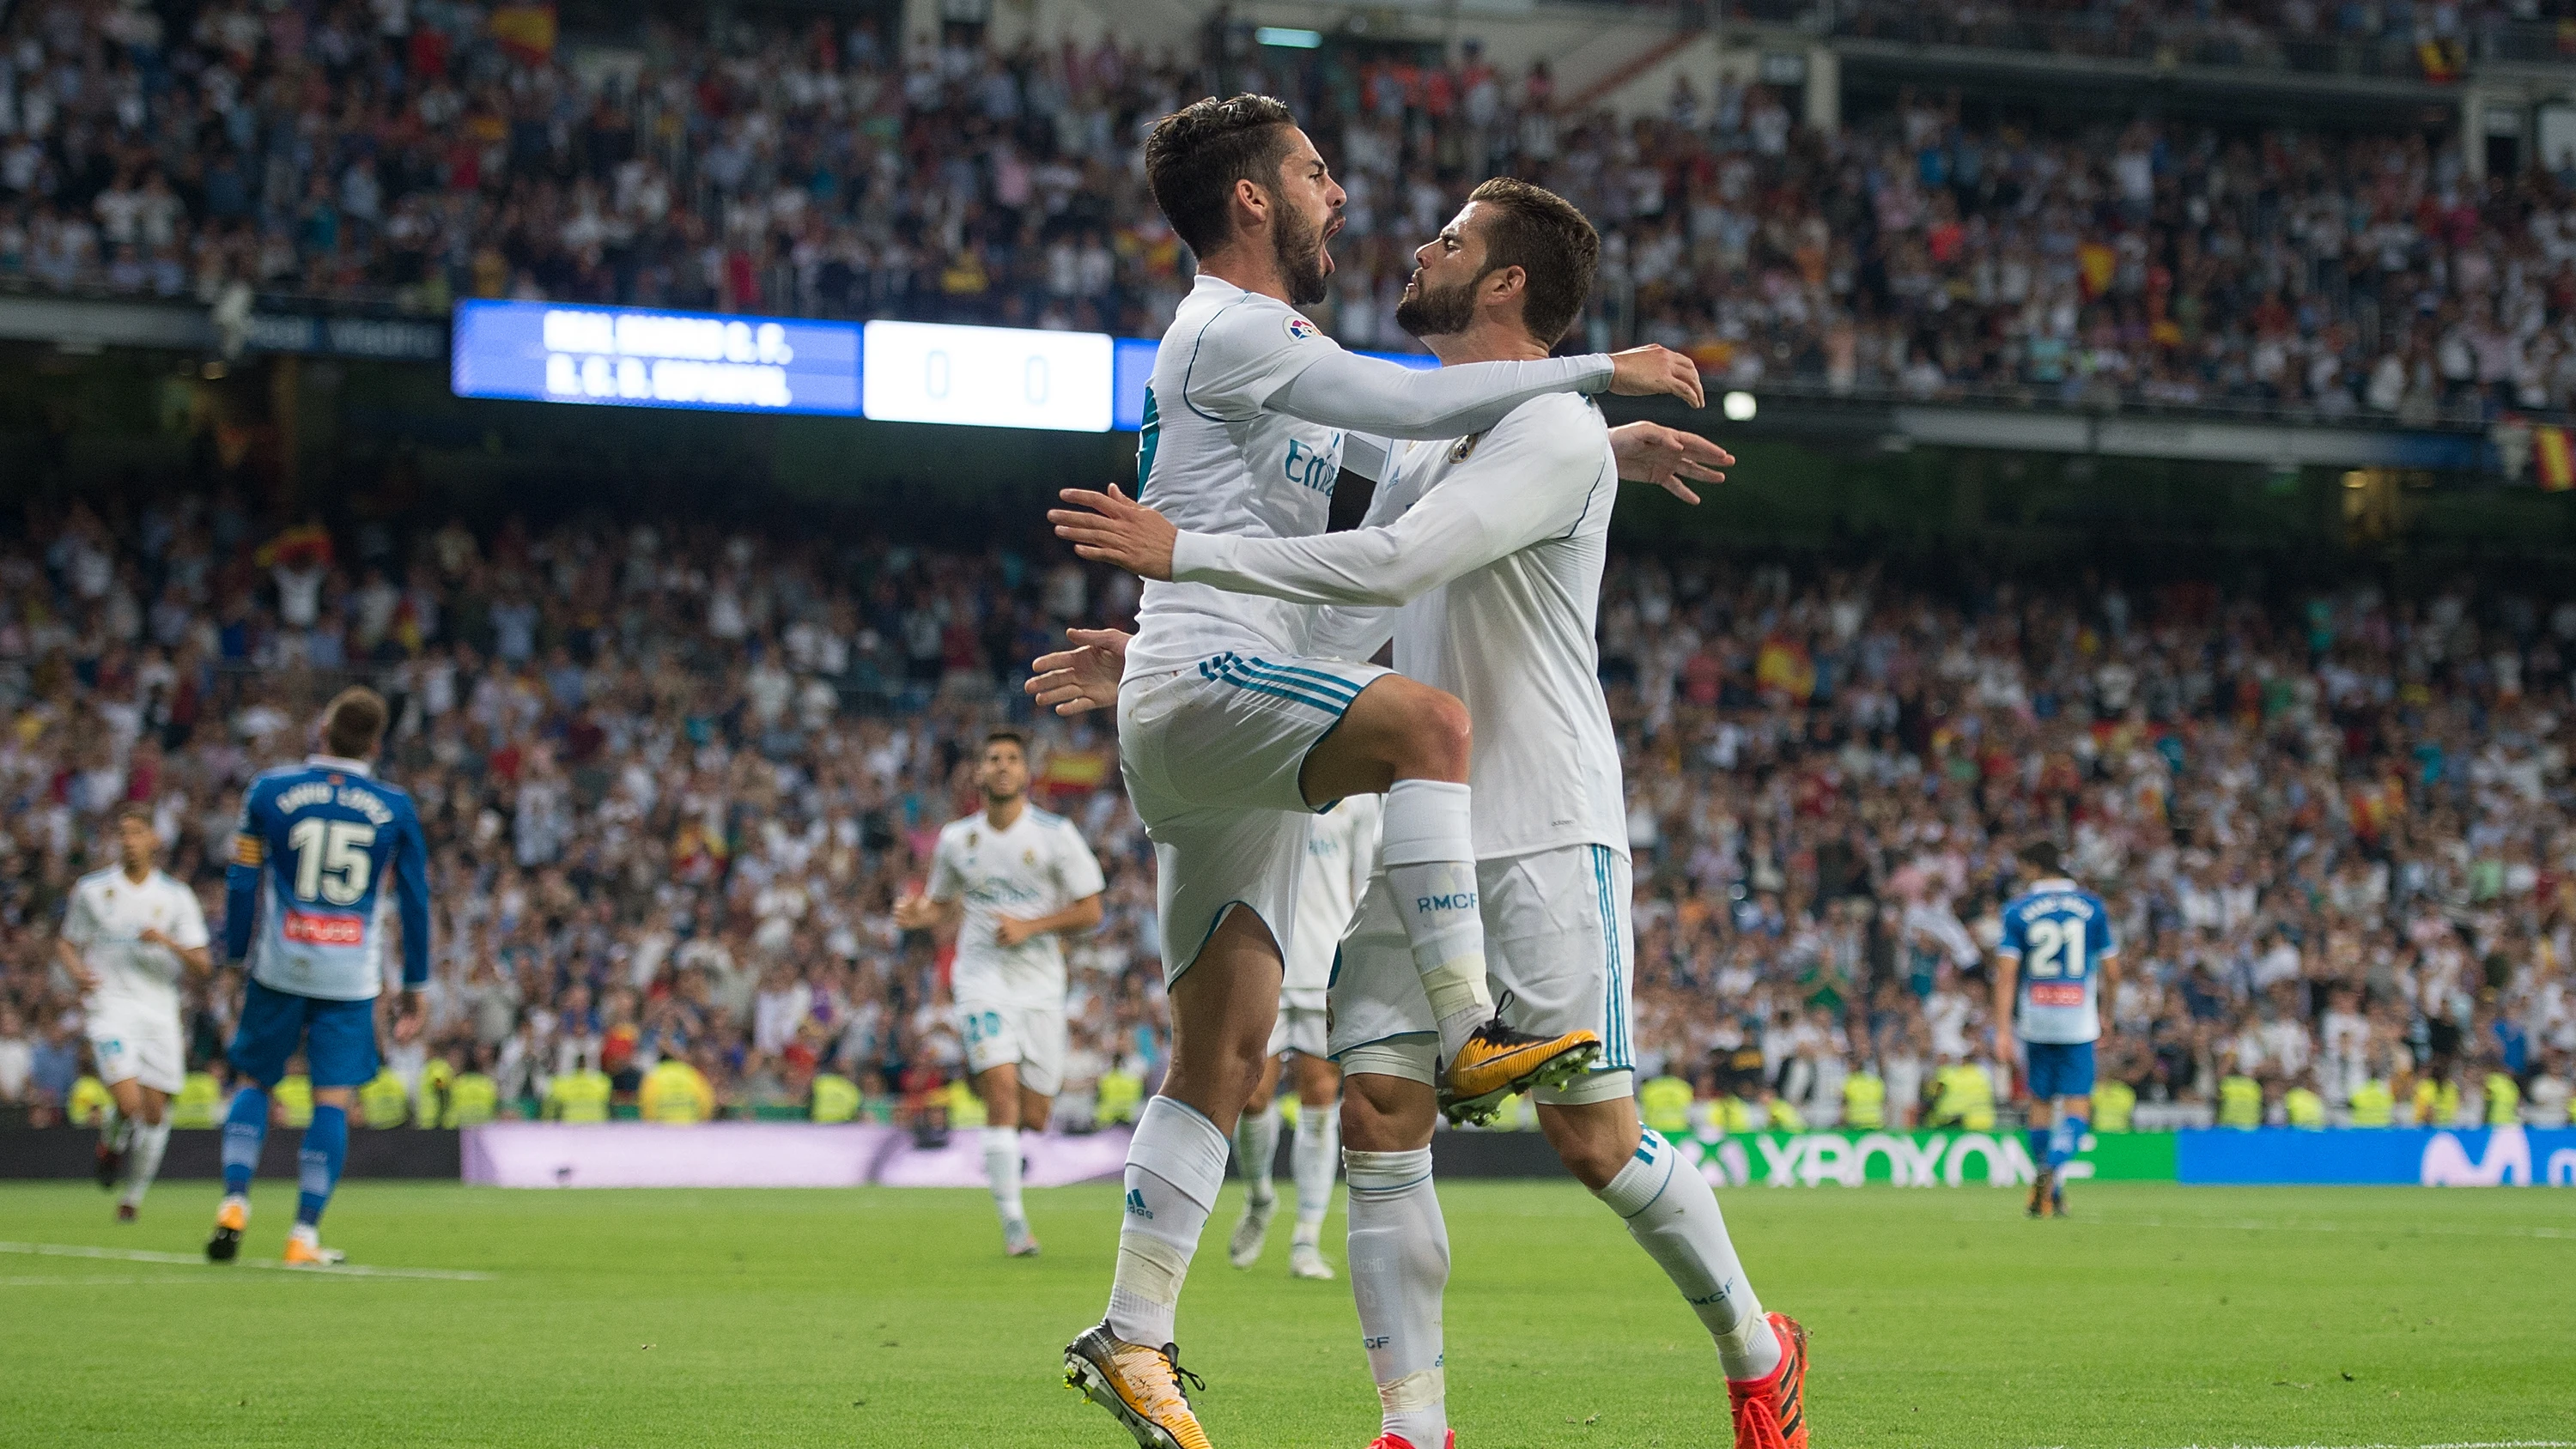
(1664, 1104)
(2437, 1102)
(472, 1100)
(383, 1102)
(676, 1094)
(2115, 1105)
(429, 1099)
(836, 1098)
(1122, 1095)
(2373, 1105)
(2303, 1108)
(293, 1098)
(1785, 1116)
(580, 1095)
(200, 1102)
(2504, 1099)
(1729, 1114)
(1964, 1097)
(2240, 1101)
(1864, 1101)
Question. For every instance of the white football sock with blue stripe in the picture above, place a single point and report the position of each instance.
(1399, 1251)
(1674, 1216)
(1429, 848)
(1175, 1165)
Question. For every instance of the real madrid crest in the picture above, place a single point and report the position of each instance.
(1466, 445)
(1028, 857)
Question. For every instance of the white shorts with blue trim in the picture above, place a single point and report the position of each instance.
(1557, 937)
(1032, 1038)
(1211, 756)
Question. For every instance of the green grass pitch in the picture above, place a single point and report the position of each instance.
(2160, 1317)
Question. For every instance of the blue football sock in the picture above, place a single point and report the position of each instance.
(245, 1128)
(2061, 1142)
(2039, 1149)
(326, 1146)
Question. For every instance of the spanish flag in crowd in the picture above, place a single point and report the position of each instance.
(526, 31)
(2553, 457)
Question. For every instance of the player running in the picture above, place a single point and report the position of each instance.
(1009, 883)
(2057, 956)
(1494, 546)
(1341, 852)
(1231, 735)
(128, 935)
(306, 903)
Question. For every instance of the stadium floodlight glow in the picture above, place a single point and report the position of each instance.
(1289, 37)
(1738, 407)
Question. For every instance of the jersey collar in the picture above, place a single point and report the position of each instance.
(2055, 883)
(335, 762)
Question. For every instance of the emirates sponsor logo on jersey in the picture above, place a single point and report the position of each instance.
(307, 929)
(2057, 993)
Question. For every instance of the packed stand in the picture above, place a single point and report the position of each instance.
(413, 155)
(2408, 41)
(673, 779)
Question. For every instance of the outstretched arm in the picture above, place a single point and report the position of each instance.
(1669, 458)
(1363, 394)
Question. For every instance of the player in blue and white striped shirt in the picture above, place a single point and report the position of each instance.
(2057, 953)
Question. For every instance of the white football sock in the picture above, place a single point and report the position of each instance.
(1256, 1147)
(1175, 1164)
(1311, 1156)
(1429, 847)
(1002, 1172)
(1399, 1251)
(1675, 1218)
(150, 1141)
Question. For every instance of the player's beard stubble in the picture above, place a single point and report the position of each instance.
(1445, 313)
(1299, 246)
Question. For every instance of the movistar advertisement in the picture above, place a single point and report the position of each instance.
(2374, 1156)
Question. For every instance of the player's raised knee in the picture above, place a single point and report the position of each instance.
(1439, 740)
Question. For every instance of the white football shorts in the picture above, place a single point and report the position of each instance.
(139, 1042)
(1211, 756)
(1029, 1037)
(1300, 1029)
(1557, 937)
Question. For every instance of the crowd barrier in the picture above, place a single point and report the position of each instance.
(786, 1154)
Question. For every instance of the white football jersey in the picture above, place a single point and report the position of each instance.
(1037, 867)
(1220, 451)
(1493, 547)
(1341, 853)
(106, 919)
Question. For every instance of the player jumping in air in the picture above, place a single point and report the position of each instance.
(308, 897)
(1493, 545)
(1010, 881)
(1341, 852)
(1231, 734)
(2056, 957)
(128, 934)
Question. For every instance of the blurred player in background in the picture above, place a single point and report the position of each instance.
(1232, 733)
(1482, 558)
(1009, 882)
(324, 855)
(128, 935)
(2056, 957)
(1341, 851)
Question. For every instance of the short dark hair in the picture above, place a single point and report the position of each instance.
(1540, 232)
(353, 722)
(1194, 156)
(2041, 855)
(1000, 736)
(130, 810)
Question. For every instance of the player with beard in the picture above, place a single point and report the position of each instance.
(1483, 558)
(1231, 735)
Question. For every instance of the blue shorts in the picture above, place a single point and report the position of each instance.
(2059, 1069)
(338, 1038)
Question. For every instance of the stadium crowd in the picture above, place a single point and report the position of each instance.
(408, 154)
(672, 778)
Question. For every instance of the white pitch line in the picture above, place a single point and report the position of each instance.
(94, 1280)
(338, 1270)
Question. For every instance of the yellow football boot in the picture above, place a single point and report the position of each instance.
(1141, 1386)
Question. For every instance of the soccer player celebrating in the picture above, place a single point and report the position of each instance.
(318, 845)
(127, 936)
(1494, 546)
(1230, 736)
(1009, 882)
(1341, 852)
(2056, 956)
